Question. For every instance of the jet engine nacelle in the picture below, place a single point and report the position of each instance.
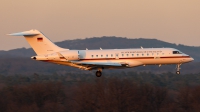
(70, 55)
(52, 56)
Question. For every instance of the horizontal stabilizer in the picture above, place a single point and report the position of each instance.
(26, 33)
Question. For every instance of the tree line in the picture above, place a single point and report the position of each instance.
(120, 92)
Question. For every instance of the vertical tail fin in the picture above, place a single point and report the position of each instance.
(40, 44)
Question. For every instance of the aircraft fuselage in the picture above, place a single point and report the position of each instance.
(103, 58)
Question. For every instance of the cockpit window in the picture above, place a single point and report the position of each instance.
(177, 52)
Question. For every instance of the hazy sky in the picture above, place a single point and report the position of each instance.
(175, 21)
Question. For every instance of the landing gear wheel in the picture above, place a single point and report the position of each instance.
(98, 73)
(178, 69)
(178, 72)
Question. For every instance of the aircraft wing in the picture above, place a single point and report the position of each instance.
(99, 63)
(95, 65)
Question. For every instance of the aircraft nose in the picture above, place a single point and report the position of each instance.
(191, 59)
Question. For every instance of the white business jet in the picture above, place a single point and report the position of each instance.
(103, 58)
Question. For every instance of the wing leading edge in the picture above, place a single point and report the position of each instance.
(98, 63)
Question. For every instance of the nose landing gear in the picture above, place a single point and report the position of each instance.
(178, 72)
(178, 69)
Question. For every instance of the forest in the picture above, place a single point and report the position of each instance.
(113, 92)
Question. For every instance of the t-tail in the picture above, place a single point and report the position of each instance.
(40, 44)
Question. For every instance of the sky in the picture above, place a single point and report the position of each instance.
(174, 21)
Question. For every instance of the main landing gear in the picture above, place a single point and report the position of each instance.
(178, 69)
(99, 72)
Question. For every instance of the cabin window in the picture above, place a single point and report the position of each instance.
(177, 52)
(132, 54)
(111, 55)
(162, 53)
(106, 55)
(92, 56)
(147, 54)
(126, 54)
(152, 54)
(96, 55)
(142, 54)
(122, 55)
(137, 54)
(101, 55)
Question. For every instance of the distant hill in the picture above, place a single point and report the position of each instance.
(17, 61)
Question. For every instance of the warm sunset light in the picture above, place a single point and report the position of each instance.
(99, 55)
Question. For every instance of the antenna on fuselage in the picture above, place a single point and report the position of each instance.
(86, 48)
(141, 47)
(100, 48)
